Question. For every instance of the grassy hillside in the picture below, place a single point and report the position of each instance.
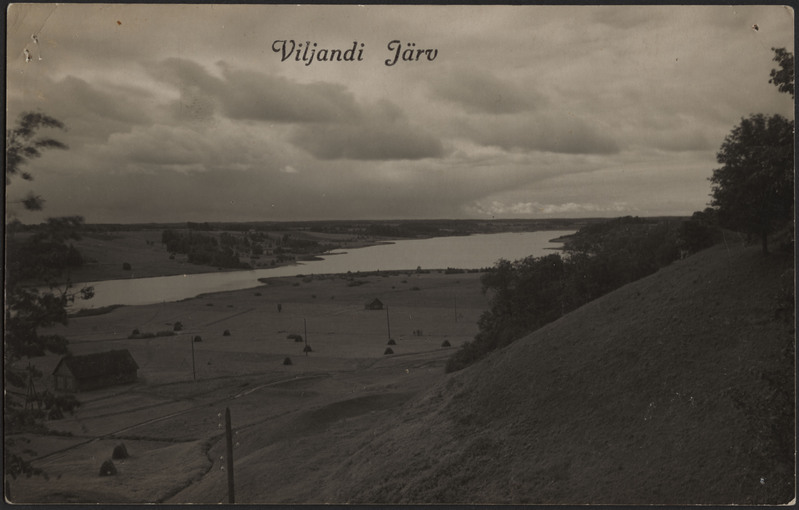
(678, 388)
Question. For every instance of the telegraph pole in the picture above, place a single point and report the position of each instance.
(231, 494)
(388, 324)
(193, 369)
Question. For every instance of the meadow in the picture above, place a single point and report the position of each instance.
(169, 420)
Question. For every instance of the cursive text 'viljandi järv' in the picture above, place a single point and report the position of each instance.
(410, 54)
(309, 52)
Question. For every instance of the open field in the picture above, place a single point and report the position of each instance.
(106, 252)
(675, 389)
(170, 424)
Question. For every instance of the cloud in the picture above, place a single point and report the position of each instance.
(324, 118)
(478, 92)
(497, 208)
(565, 134)
(253, 95)
(530, 110)
(382, 132)
(90, 111)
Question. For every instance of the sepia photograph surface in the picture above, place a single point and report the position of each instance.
(411, 255)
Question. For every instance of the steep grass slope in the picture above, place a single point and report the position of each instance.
(676, 389)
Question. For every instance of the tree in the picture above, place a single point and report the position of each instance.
(23, 145)
(37, 285)
(784, 78)
(753, 189)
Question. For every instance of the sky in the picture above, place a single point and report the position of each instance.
(196, 113)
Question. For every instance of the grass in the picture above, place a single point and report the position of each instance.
(677, 389)
(674, 389)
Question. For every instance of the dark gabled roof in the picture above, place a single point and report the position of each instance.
(99, 364)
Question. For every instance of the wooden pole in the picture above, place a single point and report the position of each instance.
(388, 324)
(305, 326)
(231, 494)
(193, 369)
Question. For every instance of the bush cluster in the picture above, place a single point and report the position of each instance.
(529, 293)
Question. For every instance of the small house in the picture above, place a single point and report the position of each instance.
(94, 371)
(376, 304)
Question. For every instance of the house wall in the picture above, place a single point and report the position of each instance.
(63, 380)
(109, 380)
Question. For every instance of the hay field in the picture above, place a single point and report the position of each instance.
(171, 419)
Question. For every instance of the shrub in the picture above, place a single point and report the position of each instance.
(446, 343)
(198, 338)
(120, 452)
(307, 349)
(226, 333)
(391, 342)
(295, 337)
(287, 361)
(388, 350)
(55, 413)
(178, 326)
(67, 403)
(108, 469)
(126, 266)
(135, 332)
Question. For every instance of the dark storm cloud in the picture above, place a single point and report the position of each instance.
(92, 112)
(253, 95)
(550, 133)
(381, 133)
(257, 96)
(325, 118)
(478, 92)
(527, 110)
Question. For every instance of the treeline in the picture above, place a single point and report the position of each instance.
(526, 294)
(204, 249)
(226, 249)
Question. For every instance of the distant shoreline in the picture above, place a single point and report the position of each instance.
(143, 251)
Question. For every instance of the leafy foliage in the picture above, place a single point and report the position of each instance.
(204, 249)
(22, 146)
(529, 293)
(46, 257)
(753, 189)
(37, 285)
(784, 77)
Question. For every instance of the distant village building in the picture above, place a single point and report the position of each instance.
(376, 304)
(93, 371)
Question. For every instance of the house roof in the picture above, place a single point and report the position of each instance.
(99, 364)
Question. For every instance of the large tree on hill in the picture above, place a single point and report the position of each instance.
(753, 190)
(784, 77)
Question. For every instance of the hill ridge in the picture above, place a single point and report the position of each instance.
(675, 389)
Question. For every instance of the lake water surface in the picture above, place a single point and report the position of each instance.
(463, 252)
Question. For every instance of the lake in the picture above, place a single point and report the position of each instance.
(462, 252)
